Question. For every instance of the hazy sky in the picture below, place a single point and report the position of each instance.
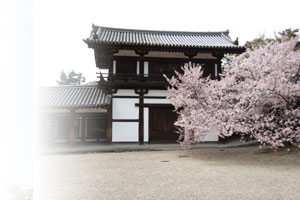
(16, 102)
(61, 25)
(48, 36)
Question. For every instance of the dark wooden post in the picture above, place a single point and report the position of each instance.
(109, 60)
(72, 128)
(53, 127)
(109, 124)
(141, 93)
(141, 117)
(190, 54)
(83, 128)
(141, 53)
(219, 57)
(142, 67)
(219, 65)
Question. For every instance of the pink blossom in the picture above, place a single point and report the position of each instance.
(258, 95)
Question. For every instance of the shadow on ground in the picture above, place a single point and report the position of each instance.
(247, 156)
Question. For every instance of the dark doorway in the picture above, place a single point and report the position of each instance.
(161, 124)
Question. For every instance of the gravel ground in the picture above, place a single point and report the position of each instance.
(239, 173)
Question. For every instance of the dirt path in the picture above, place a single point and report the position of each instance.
(241, 173)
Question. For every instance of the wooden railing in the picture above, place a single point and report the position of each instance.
(134, 77)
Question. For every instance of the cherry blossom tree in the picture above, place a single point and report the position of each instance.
(189, 93)
(258, 96)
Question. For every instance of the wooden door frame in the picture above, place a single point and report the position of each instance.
(150, 121)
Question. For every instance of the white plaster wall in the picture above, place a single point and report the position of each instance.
(146, 68)
(125, 92)
(211, 136)
(146, 124)
(125, 131)
(158, 101)
(159, 93)
(124, 108)
(216, 70)
(138, 67)
(114, 67)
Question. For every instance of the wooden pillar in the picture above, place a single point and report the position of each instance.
(142, 66)
(109, 61)
(109, 124)
(141, 53)
(141, 118)
(141, 102)
(219, 66)
(219, 57)
(55, 127)
(190, 54)
(52, 119)
(72, 127)
(110, 68)
(141, 93)
(83, 128)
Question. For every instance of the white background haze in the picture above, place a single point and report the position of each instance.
(40, 38)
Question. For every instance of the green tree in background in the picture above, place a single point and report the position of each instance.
(286, 34)
(70, 78)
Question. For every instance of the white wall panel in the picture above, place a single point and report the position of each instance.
(164, 101)
(124, 92)
(124, 108)
(138, 67)
(211, 138)
(216, 70)
(114, 67)
(125, 131)
(146, 67)
(146, 124)
(161, 93)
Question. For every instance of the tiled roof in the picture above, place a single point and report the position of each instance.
(107, 35)
(86, 96)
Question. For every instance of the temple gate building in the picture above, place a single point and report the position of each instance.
(132, 64)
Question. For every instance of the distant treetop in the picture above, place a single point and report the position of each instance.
(286, 34)
(70, 78)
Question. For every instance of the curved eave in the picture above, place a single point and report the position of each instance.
(173, 48)
(73, 107)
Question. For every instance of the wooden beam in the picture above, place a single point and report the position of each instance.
(125, 120)
(109, 124)
(153, 105)
(146, 48)
(141, 118)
